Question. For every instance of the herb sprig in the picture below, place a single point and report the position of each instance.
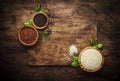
(28, 23)
(75, 61)
(38, 8)
(99, 45)
(43, 34)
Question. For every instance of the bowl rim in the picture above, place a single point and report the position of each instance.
(42, 27)
(19, 36)
(87, 70)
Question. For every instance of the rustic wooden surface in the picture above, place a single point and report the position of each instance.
(70, 24)
(13, 56)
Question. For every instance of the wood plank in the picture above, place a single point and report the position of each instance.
(70, 24)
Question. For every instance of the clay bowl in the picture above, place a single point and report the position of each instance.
(28, 36)
(93, 62)
(40, 20)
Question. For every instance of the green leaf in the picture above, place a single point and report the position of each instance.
(26, 24)
(45, 34)
(30, 21)
(74, 64)
(100, 46)
(38, 7)
(42, 34)
(42, 11)
(75, 58)
(92, 42)
(40, 31)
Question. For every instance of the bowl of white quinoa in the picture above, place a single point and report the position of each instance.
(91, 59)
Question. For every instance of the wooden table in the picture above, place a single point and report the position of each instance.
(13, 56)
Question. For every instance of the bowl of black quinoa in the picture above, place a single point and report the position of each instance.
(40, 20)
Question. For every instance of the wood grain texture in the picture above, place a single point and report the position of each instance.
(69, 24)
(14, 57)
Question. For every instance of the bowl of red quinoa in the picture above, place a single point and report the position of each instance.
(28, 36)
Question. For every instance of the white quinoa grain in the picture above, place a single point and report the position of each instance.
(73, 50)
